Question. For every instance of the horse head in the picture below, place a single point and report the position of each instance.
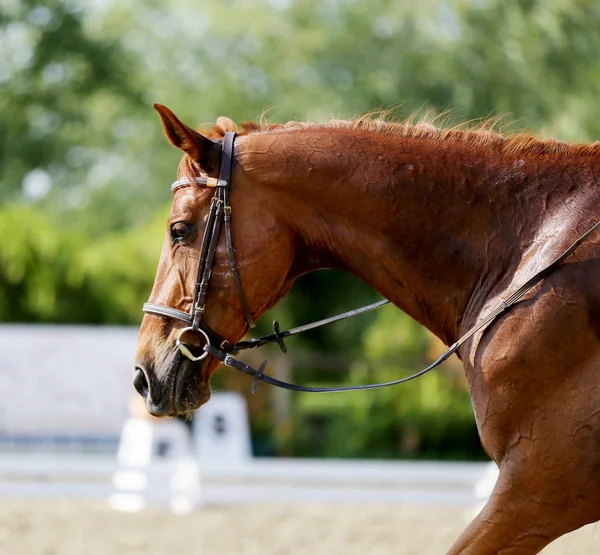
(170, 382)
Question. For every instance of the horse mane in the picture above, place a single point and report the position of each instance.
(481, 135)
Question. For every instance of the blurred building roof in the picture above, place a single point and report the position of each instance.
(64, 383)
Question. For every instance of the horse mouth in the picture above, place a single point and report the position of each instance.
(184, 387)
(190, 388)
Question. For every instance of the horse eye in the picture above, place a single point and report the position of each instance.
(180, 231)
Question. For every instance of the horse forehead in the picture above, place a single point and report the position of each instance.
(190, 202)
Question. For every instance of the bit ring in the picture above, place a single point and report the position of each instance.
(184, 349)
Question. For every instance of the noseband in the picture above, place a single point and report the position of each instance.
(219, 215)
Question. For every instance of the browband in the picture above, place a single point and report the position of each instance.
(206, 181)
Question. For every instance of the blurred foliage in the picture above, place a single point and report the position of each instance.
(84, 168)
(48, 274)
(426, 418)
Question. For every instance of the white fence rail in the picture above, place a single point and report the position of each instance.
(259, 480)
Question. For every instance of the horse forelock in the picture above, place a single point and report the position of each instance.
(187, 168)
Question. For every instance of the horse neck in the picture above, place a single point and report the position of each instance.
(434, 226)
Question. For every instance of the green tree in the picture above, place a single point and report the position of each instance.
(53, 73)
(48, 274)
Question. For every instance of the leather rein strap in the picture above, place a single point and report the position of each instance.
(219, 213)
(505, 305)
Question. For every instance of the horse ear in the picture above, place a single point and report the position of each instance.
(226, 124)
(202, 150)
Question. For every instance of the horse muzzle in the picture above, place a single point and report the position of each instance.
(183, 388)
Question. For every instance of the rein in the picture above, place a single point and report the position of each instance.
(219, 215)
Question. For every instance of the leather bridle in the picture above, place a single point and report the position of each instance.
(218, 347)
(219, 214)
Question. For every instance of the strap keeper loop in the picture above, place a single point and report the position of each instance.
(258, 376)
(278, 337)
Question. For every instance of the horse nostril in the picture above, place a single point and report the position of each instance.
(140, 382)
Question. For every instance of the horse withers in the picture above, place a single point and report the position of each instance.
(444, 223)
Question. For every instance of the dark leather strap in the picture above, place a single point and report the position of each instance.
(259, 374)
(278, 336)
(206, 263)
(212, 232)
(225, 175)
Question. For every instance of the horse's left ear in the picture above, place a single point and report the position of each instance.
(202, 150)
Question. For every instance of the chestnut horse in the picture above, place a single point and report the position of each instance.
(445, 224)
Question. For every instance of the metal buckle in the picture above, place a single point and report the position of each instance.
(183, 348)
